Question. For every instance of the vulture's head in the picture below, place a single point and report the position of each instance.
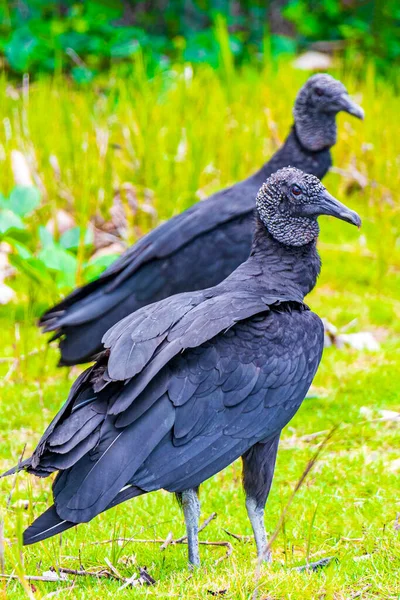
(290, 202)
(315, 109)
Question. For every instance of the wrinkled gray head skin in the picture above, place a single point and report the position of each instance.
(290, 202)
(315, 109)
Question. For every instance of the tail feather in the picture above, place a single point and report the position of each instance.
(45, 526)
(49, 523)
(19, 467)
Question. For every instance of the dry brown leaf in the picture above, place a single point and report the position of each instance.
(114, 248)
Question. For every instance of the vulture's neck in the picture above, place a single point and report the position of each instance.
(293, 153)
(284, 269)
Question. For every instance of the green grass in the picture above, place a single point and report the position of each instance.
(182, 137)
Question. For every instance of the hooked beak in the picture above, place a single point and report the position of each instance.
(347, 105)
(328, 205)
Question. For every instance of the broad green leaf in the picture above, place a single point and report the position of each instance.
(33, 268)
(65, 279)
(23, 200)
(22, 250)
(46, 237)
(58, 259)
(70, 240)
(21, 48)
(9, 220)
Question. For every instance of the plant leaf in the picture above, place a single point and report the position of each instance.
(33, 268)
(9, 220)
(58, 259)
(23, 200)
(70, 239)
(46, 237)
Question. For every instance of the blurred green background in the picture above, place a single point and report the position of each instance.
(83, 38)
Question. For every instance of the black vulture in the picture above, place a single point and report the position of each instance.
(203, 245)
(189, 384)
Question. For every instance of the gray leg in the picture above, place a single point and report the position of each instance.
(256, 516)
(191, 510)
(258, 472)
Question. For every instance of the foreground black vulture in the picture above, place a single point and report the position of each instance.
(191, 383)
(203, 245)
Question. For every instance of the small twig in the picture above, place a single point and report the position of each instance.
(132, 581)
(360, 592)
(113, 574)
(308, 437)
(33, 578)
(11, 370)
(241, 538)
(113, 569)
(6, 359)
(226, 544)
(168, 541)
(317, 565)
(144, 579)
(349, 325)
(156, 541)
(83, 573)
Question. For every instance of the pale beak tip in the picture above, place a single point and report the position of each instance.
(361, 114)
(357, 111)
(351, 217)
(352, 108)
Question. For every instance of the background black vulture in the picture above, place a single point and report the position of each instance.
(189, 384)
(203, 245)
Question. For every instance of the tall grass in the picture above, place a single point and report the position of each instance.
(183, 134)
(178, 137)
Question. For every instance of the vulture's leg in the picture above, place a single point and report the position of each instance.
(191, 510)
(258, 472)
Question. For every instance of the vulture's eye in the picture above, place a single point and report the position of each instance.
(296, 191)
(319, 91)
